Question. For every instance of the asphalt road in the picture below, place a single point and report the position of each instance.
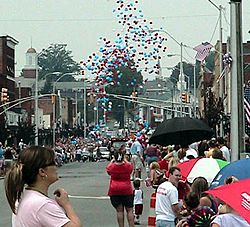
(87, 183)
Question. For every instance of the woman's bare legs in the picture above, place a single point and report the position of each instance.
(120, 215)
(130, 216)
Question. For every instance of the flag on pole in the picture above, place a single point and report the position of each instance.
(247, 111)
(203, 51)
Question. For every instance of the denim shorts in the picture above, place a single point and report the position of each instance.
(165, 223)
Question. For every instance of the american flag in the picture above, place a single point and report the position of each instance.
(247, 111)
(203, 51)
(247, 108)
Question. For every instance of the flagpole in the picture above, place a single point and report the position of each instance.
(181, 77)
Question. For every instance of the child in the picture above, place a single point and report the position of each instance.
(138, 201)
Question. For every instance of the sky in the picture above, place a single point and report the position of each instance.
(80, 24)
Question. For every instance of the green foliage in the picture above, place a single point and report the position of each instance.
(210, 61)
(56, 59)
(188, 70)
(25, 132)
(214, 110)
(130, 81)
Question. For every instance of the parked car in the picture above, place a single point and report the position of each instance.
(115, 144)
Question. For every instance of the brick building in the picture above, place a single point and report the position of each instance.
(7, 80)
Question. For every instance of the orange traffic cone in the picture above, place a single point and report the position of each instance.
(151, 217)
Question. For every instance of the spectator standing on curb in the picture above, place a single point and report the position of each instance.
(138, 201)
(21, 145)
(36, 168)
(137, 155)
(120, 188)
(224, 148)
(167, 206)
(152, 154)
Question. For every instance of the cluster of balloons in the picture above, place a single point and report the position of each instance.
(227, 59)
(136, 46)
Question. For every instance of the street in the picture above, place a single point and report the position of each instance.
(90, 182)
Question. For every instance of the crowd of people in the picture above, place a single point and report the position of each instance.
(178, 202)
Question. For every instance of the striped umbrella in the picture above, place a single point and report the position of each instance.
(201, 167)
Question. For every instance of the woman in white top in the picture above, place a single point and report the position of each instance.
(230, 219)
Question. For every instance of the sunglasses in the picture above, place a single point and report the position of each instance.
(53, 163)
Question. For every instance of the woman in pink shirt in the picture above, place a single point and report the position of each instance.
(31, 205)
(120, 188)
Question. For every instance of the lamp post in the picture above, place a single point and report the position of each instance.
(85, 108)
(181, 60)
(194, 82)
(221, 82)
(54, 107)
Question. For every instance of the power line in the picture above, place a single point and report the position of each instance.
(216, 25)
(98, 19)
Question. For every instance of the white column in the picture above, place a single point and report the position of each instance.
(36, 103)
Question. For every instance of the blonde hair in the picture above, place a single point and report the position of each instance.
(174, 161)
(154, 165)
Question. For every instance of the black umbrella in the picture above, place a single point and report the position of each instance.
(180, 130)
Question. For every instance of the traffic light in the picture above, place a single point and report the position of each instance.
(53, 99)
(4, 95)
(184, 97)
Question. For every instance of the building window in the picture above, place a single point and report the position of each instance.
(30, 60)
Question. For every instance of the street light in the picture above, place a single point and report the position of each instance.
(85, 108)
(194, 82)
(54, 106)
(181, 60)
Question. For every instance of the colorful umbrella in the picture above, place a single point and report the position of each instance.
(201, 167)
(180, 130)
(239, 169)
(236, 195)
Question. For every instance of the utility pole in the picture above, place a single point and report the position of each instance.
(237, 120)
(221, 82)
(36, 103)
(194, 91)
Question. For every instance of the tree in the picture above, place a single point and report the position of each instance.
(214, 111)
(56, 59)
(188, 69)
(25, 132)
(210, 61)
(129, 82)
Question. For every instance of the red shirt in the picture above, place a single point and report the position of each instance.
(163, 164)
(120, 179)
